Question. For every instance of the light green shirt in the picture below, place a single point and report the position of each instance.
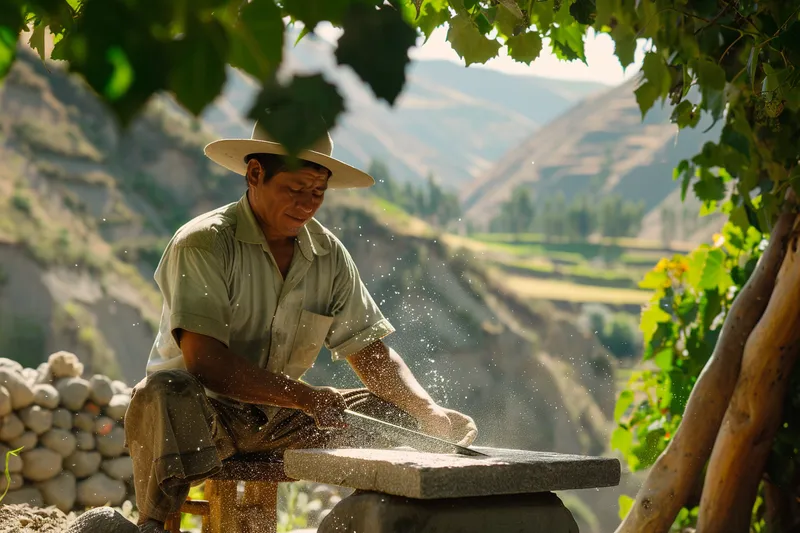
(219, 278)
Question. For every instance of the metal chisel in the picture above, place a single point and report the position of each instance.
(407, 437)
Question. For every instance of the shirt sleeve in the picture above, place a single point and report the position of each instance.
(357, 320)
(192, 282)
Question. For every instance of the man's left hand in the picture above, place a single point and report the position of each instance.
(449, 425)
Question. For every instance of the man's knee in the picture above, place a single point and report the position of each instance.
(168, 383)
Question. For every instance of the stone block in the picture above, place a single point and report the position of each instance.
(372, 512)
(432, 475)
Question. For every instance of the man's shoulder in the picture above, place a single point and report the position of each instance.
(325, 237)
(206, 230)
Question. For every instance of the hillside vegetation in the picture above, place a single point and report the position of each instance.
(601, 147)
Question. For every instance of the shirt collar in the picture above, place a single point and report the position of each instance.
(248, 230)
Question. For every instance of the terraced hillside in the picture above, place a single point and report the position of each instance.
(600, 147)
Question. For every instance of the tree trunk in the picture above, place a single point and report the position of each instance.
(675, 472)
(752, 419)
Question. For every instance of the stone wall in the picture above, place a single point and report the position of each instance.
(70, 432)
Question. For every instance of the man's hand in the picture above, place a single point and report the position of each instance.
(449, 425)
(327, 407)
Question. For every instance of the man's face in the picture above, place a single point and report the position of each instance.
(288, 200)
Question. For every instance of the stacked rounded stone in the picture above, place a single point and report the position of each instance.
(70, 433)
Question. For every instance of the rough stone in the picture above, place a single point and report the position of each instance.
(46, 395)
(5, 401)
(112, 444)
(30, 375)
(73, 391)
(436, 475)
(372, 512)
(102, 520)
(117, 406)
(83, 464)
(101, 390)
(84, 422)
(64, 364)
(10, 364)
(84, 441)
(28, 440)
(36, 418)
(62, 418)
(14, 461)
(120, 387)
(61, 441)
(103, 425)
(41, 464)
(29, 495)
(16, 482)
(21, 393)
(43, 374)
(59, 491)
(11, 428)
(100, 489)
(120, 468)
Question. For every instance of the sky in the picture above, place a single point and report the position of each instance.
(602, 65)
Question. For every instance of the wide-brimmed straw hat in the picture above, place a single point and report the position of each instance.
(231, 153)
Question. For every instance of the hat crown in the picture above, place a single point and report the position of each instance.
(322, 146)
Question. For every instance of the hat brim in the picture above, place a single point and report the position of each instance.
(230, 153)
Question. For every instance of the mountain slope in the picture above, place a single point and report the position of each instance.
(601, 146)
(450, 120)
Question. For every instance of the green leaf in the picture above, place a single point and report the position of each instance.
(512, 7)
(583, 11)
(567, 43)
(375, 45)
(525, 47)
(625, 45)
(37, 39)
(298, 114)
(709, 187)
(507, 24)
(663, 360)
(623, 402)
(543, 13)
(622, 440)
(432, 15)
(625, 505)
(697, 262)
(468, 42)
(710, 75)
(256, 44)
(312, 12)
(652, 315)
(736, 140)
(686, 114)
(656, 71)
(122, 75)
(11, 23)
(646, 96)
(198, 72)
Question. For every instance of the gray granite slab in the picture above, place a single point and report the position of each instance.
(423, 475)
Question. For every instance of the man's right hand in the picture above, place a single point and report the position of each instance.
(326, 405)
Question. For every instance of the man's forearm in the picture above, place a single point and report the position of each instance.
(222, 371)
(387, 376)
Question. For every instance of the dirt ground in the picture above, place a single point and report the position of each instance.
(20, 518)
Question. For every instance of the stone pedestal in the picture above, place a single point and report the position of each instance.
(402, 491)
(373, 512)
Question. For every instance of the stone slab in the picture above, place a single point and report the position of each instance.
(423, 475)
(372, 512)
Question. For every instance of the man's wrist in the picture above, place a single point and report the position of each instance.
(302, 395)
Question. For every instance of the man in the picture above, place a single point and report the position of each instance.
(252, 291)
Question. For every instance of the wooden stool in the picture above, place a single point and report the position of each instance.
(223, 511)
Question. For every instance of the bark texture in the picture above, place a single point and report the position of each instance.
(675, 472)
(751, 420)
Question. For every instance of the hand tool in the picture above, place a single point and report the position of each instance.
(407, 437)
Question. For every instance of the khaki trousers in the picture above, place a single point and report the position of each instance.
(178, 436)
